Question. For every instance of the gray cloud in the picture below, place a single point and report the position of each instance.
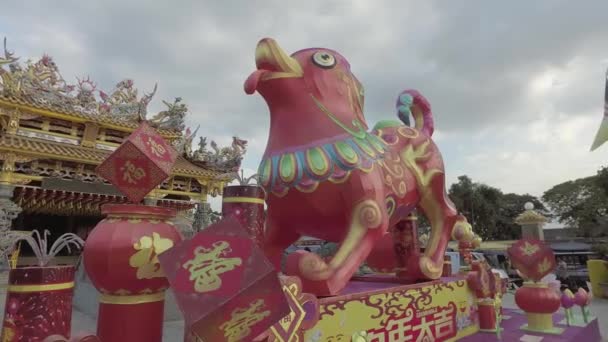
(474, 60)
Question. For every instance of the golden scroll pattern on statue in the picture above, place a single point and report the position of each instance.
(157, 149)
(208, 264)
(132, 174)
(243, 319)
(146, 258)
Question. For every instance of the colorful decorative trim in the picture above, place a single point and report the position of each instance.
(40, 288)
(334, 161)
(132, 299)
(243, 200)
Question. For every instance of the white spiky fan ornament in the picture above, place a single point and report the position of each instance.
(602, 134)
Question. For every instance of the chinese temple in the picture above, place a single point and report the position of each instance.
(54, 134)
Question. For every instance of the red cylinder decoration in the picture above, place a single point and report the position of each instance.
(487, 315)
(405, 243)
(465, 247)
(38, 303)
(246, 203)
(447, 266)
(121, 259)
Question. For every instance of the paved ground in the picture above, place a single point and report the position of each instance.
(173, 330)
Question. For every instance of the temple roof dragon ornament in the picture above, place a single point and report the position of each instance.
(227, 159)
(41, 83)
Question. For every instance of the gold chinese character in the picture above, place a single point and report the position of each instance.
(444, 324)
(146, 258)
(242, 319)
(207, 265)
(156, 148)
(131, 174)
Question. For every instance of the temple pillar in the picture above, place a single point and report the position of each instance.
(202, 216)
(9, 210)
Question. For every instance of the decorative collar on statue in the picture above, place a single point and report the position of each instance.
(305, 167)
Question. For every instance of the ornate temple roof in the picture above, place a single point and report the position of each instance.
(37, 89)
(40, 85)
(59, 151)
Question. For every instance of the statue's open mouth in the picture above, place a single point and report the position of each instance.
(271, 62)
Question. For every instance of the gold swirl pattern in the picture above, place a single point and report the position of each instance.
(366, 215)
(391, 205)
(408, 132)
(429, 268)
(369, 214)
(313, 267)
(395, 179)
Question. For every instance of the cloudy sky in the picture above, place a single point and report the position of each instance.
(516, 90)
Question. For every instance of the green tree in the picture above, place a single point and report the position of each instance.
(581, 203)
(491, 212)
(602, 179)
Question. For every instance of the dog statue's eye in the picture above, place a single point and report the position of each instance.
(324, 59)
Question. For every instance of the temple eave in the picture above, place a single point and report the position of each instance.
(61, 114)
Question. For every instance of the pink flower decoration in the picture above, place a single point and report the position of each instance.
(567, 299)
(582, 297)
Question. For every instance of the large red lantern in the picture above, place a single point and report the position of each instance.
(121, 258)
(539, 302)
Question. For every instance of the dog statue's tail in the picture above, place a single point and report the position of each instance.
(411, 102)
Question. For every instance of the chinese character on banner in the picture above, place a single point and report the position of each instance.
(156, 148)
(243, 319)
(132, 174)
(400, 329)
(208, 264)
(444, 322)
(438, 325)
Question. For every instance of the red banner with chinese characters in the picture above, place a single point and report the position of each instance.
(224, 285)
(434, 324)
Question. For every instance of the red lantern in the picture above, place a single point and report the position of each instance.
(121, 258)
(246, 204)
(38, 303)
(539, 302)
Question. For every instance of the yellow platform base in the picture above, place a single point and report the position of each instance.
(442, 310)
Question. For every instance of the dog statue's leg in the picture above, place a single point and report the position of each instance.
(444, 218)
(425, 163)
(276, 240)
(369, 221)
